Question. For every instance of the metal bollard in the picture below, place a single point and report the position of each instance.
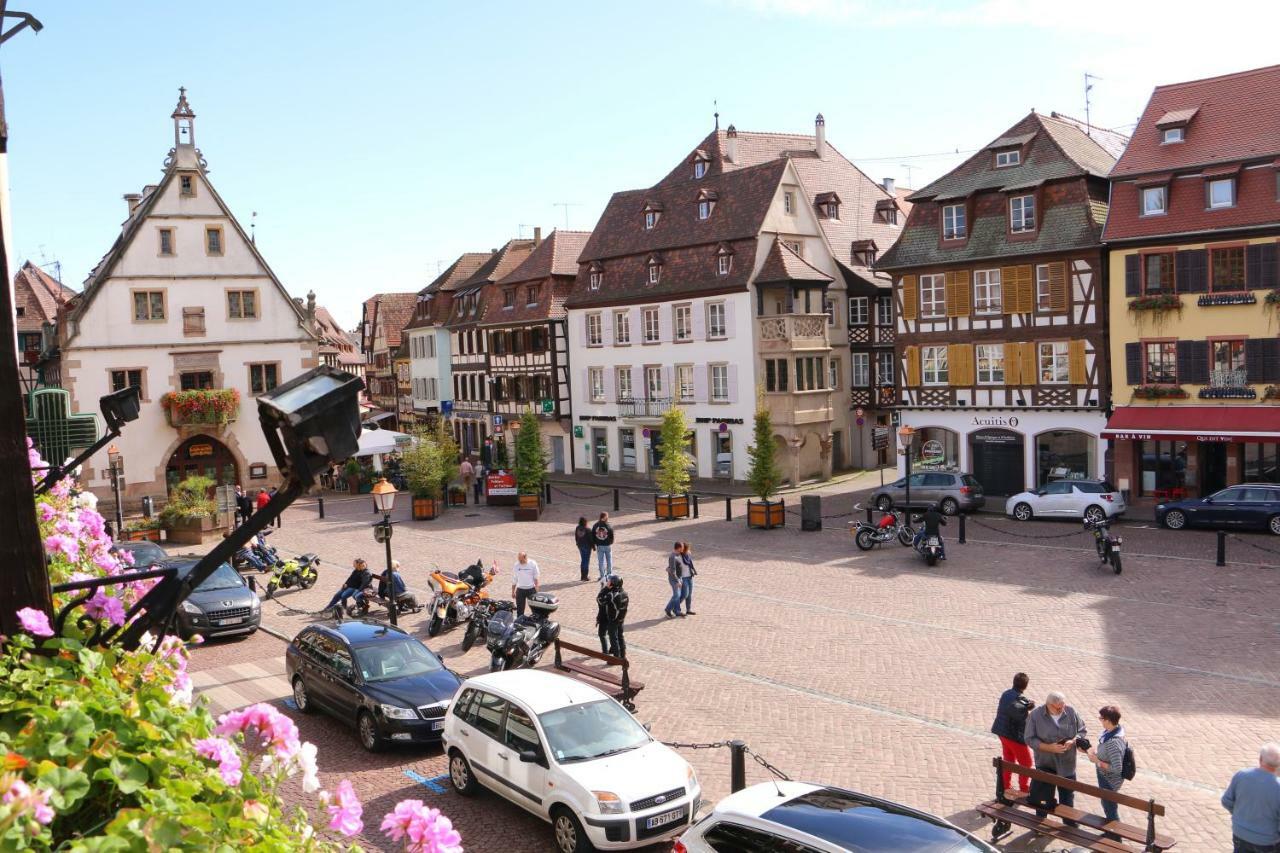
(869, 514)
(737, 766)
(695, 506)
(961, 516)
(1222, 548)
(320, 503)
(728, 509)
(616, 497)
(546, 488)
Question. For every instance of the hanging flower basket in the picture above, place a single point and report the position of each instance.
(1272, 299)
(1159, 392)
(206, 407)
(1158, 303)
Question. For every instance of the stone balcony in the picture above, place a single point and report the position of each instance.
(789, 332)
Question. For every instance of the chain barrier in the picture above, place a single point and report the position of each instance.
(602, 493)
(721, 744)
(1253, 544)
(835, 515)
(766, 765)
(974, 520)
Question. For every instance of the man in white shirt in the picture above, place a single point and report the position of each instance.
(524, 580)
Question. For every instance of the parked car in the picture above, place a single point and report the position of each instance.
(1249, 506)
(570, 755)
(220, 606)
(1091, 500)
(799, 817)
(144, 553)
(373, 676)
(952, 492)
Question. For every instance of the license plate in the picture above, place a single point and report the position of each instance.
(1115, 548)
(229, 621)
(437, 725)
(664, 819)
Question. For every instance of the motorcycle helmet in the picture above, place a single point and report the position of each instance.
(615, 581)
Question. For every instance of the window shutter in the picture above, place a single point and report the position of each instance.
(912, 356)
(733, 383)
(193, 320)
(1133, 275)
(959, 301)
(1012, 364)
(586, 383)
(1016, 289)
(1191, 271)
(1260, 266)
(1193, 362)
(698, 314)
(1076, 373)
(1030, 373)
(1133, 363)
(1058, 287)
(700, 383)
(1262, 360)
(668, 382)
(1026, 289)
(910, 298)
(728, 318)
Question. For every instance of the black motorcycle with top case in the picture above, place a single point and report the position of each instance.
(519, 641)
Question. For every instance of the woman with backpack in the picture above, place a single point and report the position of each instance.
(1108, 758)
(586, 543)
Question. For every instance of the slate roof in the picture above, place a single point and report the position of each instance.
(430, 303)
(782, 264)
(1063, 228)
(1236, 117)
(47, 295)
(496, 266)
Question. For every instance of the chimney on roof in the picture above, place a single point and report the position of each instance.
(820, 132)
(731, 144)
(133, 200)
(888, 183)
(537, 236)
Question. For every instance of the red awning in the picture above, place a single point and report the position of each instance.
(1195, 423)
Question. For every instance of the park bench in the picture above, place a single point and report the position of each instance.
(1008, 809)
(619, 684)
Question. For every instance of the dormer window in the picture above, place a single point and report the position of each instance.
(1153, 201)
(508, 299)
(531, 295)
(1009, 157)
(1171, 135)
(650, 219)
(724, 263)
(596, 277)
(887, 211)
(864, 252)
(828, 205)
(1022, 214)
(699, 168)
(704, 209)
(655, 271)
(1222, 193)
(954, 226)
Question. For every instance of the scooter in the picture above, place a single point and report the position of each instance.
(300, 573)
(1107, 545)
(890, 527)
(455, 600)
(519, 641)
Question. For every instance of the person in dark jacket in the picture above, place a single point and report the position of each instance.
(1010, 726)
(602, 534)
(358, 581)
(612, 603)
(244, 505)
(933, 522)
(1054, 732)
(583, 538)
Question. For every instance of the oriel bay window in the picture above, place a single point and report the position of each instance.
(1227, 268)
(933, 291)
(933, 365)
(775, 375)
(811, 373)
(1160, 362)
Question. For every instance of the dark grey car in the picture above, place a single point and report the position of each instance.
(952, 492)
(221, 606)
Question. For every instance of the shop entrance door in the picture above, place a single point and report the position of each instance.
(1213, 467)
(997, 457)
(600, 447)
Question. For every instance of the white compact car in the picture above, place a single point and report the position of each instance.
(798, 817)
(570, 755)
(1092, 500)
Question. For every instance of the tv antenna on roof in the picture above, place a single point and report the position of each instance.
(253, 223)
(1088, 125)
(566, 205)
(909, 169)
(715, 105)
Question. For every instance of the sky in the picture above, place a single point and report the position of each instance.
(378, 141)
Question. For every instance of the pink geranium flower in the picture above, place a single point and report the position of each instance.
(58, 543)
(34, 799)
(275, 730)
(35, 622)
(103, 606)
(426, 830)
(345, 813)
(225, 753)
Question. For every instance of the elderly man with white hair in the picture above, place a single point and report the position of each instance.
(1253, 798)
(1051, 734)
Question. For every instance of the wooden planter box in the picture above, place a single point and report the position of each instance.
(766, 515)
(425, 509)
(457, 496)
(194, 532)
(528, 507)
(671, 506)
(142, 535)
(353, 483)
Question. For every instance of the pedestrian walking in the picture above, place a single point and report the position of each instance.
(602, 533)
(1051, 733)
(479, 485)
(262, 500)
(1108, 758)
(271, 493)
(687, 574)
(1010, 725)
(586, 544)
(467, 472)
(612, 603)
(524, 580)
(675, 568)
(1253, 798)
(244, 505)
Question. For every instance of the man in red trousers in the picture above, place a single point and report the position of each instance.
(1011, 721)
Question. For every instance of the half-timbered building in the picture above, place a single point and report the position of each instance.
(1000, 298)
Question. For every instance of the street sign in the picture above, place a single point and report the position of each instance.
(861, 420)
(858, 412)
(446, 407)
(548, 407)
(381, 533)
(879, 438)
(497, 420)
(577, 432)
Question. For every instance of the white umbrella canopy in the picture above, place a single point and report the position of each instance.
(374, 442)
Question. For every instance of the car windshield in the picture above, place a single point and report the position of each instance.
(591, 730)
(223, 577)
(852, 822)
(395, 659)
(144, 553)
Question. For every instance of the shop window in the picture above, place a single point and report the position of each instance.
(627, 438)
(1162, 465)
(935, 448)
(1065, 454)
(1261, 463)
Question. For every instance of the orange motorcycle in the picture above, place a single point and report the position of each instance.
(456, 596)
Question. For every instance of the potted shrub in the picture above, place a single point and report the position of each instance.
(141, 529)
(188, 516)
(764, 475)
(530, 469)
(672, 474)
(351, 470)
(422, 467)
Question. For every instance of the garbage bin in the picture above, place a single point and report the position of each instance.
(810, 512)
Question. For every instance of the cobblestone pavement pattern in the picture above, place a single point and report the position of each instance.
(869, 671)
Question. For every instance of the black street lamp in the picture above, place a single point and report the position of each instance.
(117, 469)
(384, 499)
(905, 436)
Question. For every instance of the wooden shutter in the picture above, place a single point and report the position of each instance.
(1009, 289)
(1133, 275)
(1030, 372)
(960, 365)
(1260, 266)
(1191, 271)
(1076, 371)
(1026, 289)
(1133, 363)
(1262, 360)
(912, 356)
(1058, 287)
(1193, 362)
(959, 296)
(910, 297)
(1017, 289)
(1012, 364)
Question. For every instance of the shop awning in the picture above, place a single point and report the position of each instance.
(1195, 423)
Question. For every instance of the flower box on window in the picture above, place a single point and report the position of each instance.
(1273, 298)
(206, 407)
(1271, 393)
(1228, 394)
(1226, 299)
(1159, 392)
(1157, 302)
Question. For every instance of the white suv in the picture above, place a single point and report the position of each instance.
(570, 755)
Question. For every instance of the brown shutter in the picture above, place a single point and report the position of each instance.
(1030, 371)
(910, 297)
(959, 296)
(1009, 289)
(1075, 362)
(1012, 364)
(1026, 289)
(1017, 289)
(912, 355)
(1058, 287)
(960, 365)
(193, 321)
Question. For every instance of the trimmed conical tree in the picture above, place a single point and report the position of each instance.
(763, 476)
(531, 459)
(672, 475)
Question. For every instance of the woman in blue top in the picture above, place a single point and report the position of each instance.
(1108, 757)
(687, 575)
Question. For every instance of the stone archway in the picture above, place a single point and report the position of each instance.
(205, 455)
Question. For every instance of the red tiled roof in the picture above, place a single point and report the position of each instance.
(497, 266)
(556, 255)
(394, 311)
(331, 334)
(1236, 117)
(430, 296)
(782, 264)
(1255, 205)
(47, 295)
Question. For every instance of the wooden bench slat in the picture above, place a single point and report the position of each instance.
(1133, 833)
(1043, 826)
(1079, 787)
(600, 673)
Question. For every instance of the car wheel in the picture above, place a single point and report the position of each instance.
(368, 732)
(1175, 519)
(949, 506)
(300, 697)
(884, 503)
(1094, 513)
(568, 832)
(460, 775)
(1022, 512)
(1273, 524)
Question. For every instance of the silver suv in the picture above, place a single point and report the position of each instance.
(952, 492)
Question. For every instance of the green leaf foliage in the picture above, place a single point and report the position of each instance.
(531, 458)
(672, 476)
(764, 476)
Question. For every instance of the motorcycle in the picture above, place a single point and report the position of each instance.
(890, 527)
(930, 547)
(519, 641)
(479, 623)
(1107, 545)
(455, 600)
(290, 573)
